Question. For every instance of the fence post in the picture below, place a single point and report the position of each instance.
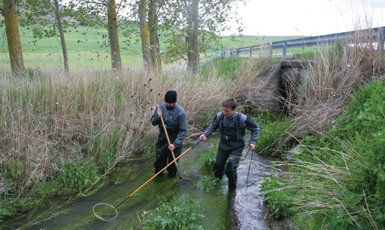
(284, 50)
(381, 40)
(222, 53)
(250, 51)
(271, 50)
(237, 52)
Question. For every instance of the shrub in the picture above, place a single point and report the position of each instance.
(10, 207)
(177, 213)
(77, 176)
(126, 33)
(272, 126)
(208, 158)
(278, 200)
(37, 31)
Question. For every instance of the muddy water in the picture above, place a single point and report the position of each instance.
(243, 209)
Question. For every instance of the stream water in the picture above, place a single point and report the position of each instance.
(243, 209)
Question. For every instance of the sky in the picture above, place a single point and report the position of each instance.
(307, 17)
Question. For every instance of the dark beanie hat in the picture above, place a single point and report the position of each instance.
(170, 96)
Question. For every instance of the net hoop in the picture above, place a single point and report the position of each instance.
(101, 218)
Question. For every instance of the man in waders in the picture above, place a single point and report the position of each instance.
(231, 126)
(175, 121)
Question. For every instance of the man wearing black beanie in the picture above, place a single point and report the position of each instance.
(175, 121)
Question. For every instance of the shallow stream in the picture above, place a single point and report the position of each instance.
(243, 209)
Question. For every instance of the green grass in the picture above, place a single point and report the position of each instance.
(77, 61)
(81, 39)
(88, 48)
(272, 127)
(243, 41)
(338, 179)
(228, 67)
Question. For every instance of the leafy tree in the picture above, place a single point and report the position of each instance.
(194, 23)
(41, 11)
(13, 36)
(98, 12)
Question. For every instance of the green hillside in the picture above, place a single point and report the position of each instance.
(88, 47)
(244, 41)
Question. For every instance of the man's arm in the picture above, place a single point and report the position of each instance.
(254, 128)
(182, 131)
(213, 126)
(155, 119)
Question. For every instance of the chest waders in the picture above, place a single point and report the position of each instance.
(166, 136)
(229, 150)
(172, 152)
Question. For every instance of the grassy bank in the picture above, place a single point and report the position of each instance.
(333, 178)
(337, 181)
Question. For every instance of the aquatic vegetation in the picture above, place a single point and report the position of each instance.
(77, 176)
(177, 213)
(209, 183)
(208, 158)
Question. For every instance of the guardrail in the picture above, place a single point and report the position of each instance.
(377, 35)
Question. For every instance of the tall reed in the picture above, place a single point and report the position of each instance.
(48, 119)
(336, 72)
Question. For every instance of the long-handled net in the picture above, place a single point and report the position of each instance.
(108, 212)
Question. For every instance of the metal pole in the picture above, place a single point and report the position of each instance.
(271, 50)
(223, 54)
(248, 171)
(380, 46)
(284, 55)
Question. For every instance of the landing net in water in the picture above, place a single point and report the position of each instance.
(105, 212)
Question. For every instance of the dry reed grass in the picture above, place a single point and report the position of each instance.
(328, 83)
(49, 119)
(251, 89)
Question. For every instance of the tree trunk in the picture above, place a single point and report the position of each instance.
(144, 34)
(154, 38)
(62, 39)
(13, 36)
(113, 36)
(192, 39)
